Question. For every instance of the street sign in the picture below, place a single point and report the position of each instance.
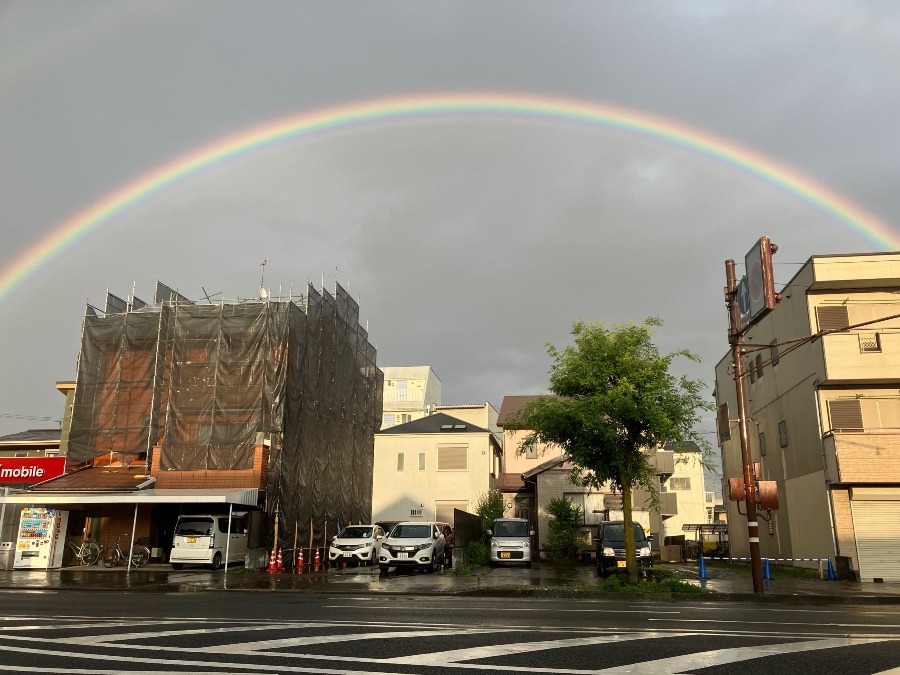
(760, 279)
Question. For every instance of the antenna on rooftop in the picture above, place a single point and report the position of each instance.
(263, 293)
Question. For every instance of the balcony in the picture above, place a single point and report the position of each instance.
(864, 457)
(664, 461)
(867, 356)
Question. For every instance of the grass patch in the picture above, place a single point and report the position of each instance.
(618, 583)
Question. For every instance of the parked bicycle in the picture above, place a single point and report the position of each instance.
(140, 555)
(88, 552)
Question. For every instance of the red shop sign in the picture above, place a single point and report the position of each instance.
(30, 469)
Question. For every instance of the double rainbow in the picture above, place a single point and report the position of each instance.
(446, 105)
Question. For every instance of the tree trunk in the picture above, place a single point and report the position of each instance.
(630, 550)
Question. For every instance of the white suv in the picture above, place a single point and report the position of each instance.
(413, 544)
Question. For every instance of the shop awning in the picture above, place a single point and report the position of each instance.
(241, 496)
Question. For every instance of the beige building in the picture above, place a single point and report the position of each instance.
(824, 412)
(410, 393)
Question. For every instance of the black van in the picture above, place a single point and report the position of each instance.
(611, 547)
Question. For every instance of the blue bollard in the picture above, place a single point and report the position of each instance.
(767, 573)
(701, 573)
(831, 576)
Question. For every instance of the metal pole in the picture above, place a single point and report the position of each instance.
(736, 338)
(133, 529)
(228, 539)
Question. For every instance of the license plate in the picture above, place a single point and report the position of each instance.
(192, 540)
(504, 554)
(621, 563)
(402, 555)
(348, 555)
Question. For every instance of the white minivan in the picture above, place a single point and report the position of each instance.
(203, 540)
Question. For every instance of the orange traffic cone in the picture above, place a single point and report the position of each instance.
(279, 562)
(270, 568)
(317, 561)
(299, 568)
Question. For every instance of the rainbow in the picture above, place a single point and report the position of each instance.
(446, 105)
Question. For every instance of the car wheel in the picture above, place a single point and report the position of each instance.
(493, 563)
(528, 564)
(177, 566)
(435, 563)
(216, 561)
(383, 569)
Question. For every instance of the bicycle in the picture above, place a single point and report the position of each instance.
(88, 552)
(140, 555)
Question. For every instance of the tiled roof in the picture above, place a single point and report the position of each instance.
(510, 482)
(98, 479)
(33, 436)
(511, 405)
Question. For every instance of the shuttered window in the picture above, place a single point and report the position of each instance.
(759, 367)
(453, 458)
(762, 443)
(773, 352)
(832, 317)
(782, 434)
(846, 415)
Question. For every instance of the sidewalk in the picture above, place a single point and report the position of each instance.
(541, 580)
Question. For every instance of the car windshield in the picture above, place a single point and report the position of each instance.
(194, 527)
(356, 532)
(510, 528)
(616, 532)
(411, 531)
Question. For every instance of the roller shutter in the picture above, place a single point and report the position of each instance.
(877, 526)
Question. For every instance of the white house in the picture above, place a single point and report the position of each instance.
(427, 467)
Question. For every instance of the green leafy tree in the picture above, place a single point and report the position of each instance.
(489, 506)
(565, 540)
(613, 398)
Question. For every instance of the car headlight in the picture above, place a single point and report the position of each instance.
(645, 551)
(422, 547)
(526, 544)
(607, 551)
(495, 543)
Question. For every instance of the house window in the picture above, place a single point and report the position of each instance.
(387, 420)
(773, 352)
(762, 443)
(531, 453)
(759, 367)
(680, 483)
(399, 461)
(453, 458)
(421, 461)
(400, 390)
(752, 371)
(869, 341)
(51, 453)
(403, 418)
(415, 513)
(833, 317)
(782, 434)
(443, 511)
(846, 414)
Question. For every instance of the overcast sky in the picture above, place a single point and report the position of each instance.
(470, 241)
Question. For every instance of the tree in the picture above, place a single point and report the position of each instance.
(489, 506)
(613, 398)
(565, 540)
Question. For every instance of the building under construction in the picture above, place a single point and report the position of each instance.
(280, 398)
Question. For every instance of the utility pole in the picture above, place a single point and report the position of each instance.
(736, 340)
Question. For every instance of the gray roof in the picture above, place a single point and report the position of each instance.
(33, 436)
(435, 424)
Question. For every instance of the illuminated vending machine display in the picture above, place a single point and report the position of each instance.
(42, 538)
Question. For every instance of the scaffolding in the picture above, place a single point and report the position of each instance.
(201, 387)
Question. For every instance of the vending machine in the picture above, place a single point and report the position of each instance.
(42, 538)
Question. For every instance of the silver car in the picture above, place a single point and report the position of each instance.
(356, 543)
(510, 541)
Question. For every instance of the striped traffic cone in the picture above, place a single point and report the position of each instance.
(270, 568)
(317, 561)
(299, 568)
(279, 562)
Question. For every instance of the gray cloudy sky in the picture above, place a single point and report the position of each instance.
(470, 241)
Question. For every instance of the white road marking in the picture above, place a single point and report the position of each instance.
(717, 657)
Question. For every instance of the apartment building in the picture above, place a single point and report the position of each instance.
(823, 385)
(410, 393)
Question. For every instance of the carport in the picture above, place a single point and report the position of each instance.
(148, 497)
